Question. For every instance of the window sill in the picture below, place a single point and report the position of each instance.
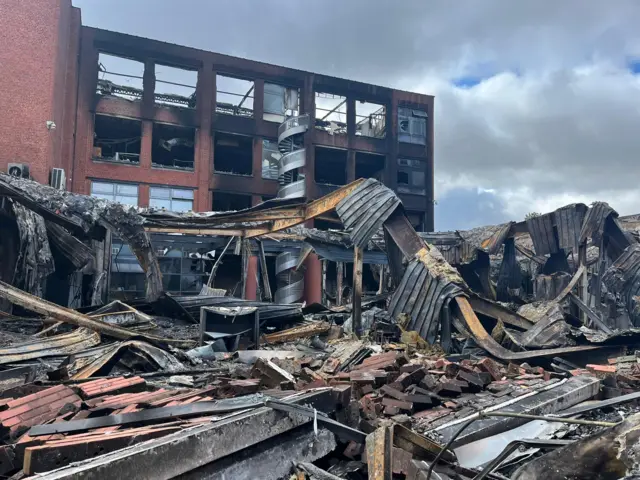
(155, 166)
(115, 162)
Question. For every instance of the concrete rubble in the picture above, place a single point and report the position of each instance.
(504, 352)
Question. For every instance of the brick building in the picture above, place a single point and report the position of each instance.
(156, 124)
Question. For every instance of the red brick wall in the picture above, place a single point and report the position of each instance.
(35, 41)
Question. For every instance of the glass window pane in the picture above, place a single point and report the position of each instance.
(182, 193)
(273, 98)
(417, 179)
(159, 192)
(131, 190)
(102, 187)
(127, 200)
(181, 205)
(158, 203)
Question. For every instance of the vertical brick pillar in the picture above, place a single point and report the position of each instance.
(309, 108)
(313, 279)
(146, 143)
(256, 166)
(143, 195)
(205, 98)
(391, 162)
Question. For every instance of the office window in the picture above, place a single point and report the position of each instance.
(172, 199)
(124, 193)
(412, 126)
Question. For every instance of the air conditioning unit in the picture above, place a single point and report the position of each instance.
(58, 179)
(20, 170)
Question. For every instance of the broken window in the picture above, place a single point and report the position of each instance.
(279, 102)
(116, 139)
(270, 159)
(233, 154)
(119, 77)
(184, 269)
(330, 166)
(175, 86)
(331, 113)
(412, 126)
(172, 199)
(234, 96)
(173, 147)
(370, 120)
(225, 202)
(411, 176)
(125, 193)
(369, 165)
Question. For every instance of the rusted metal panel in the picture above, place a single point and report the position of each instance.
(422, 296)
(365, 210)
(593, 223)
(569, 225)
(542, 234)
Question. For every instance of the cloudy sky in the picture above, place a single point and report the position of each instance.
(537, 102)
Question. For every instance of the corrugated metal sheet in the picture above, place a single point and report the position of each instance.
(569, 225)
(624, 277)
(336, 253)
(541, 231)
(593, 224)
(424, 298)
(454, 248)
(366, 209)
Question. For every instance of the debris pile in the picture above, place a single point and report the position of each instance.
(496, 353)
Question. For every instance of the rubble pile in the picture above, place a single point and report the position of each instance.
(510, 351)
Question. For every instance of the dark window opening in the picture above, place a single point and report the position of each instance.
(119, 77)
(330, 166)
(234, 96)
(175, 86)
(233, 154)
(331, 113)
(173, 147)
(226, 202)
(369, 165)
(403, 178)
(370, 120)
(116, 139)
(411, 176)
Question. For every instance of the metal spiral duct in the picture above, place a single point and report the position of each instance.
(290, 283)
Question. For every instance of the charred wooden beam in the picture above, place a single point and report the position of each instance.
(356, 299)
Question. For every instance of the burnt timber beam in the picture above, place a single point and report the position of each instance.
(497, 311)
(379, 450)
(312, 210)
(66, 315)
(266, 287)
(356, 298)
(222, 232)
(194, 447)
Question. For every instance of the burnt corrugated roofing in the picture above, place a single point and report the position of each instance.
(569, 224)
(424, 298)
(366, 209)
(593, 224)
(624, 277)
(542, 235)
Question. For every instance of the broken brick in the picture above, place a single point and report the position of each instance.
(491, 367)
(402, 405)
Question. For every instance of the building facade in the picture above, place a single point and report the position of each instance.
(155, 124)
